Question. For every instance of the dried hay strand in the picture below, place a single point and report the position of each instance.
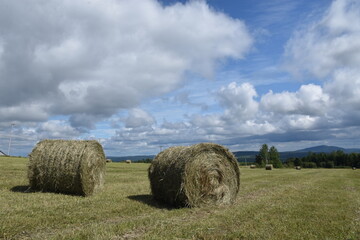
(195, 176)
(268, 167)
(128, 161)
(67, 166)
(252, 166)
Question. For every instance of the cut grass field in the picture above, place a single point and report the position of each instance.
(278, 204)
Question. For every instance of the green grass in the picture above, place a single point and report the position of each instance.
(278, 204)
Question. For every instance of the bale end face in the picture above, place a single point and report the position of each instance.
(269, 167)
(202, 174)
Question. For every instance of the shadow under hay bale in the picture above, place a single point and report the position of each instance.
(199, 175)
(269, 167)
(149, 200)
(21, 189)
(67, 166)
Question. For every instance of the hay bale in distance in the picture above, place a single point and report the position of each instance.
(298, 167)
(268, 167)
(252, 166)
(194, 176)
(354, 168)
(108, 160)
(67, 166)
(128, 161)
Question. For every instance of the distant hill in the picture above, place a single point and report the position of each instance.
(246, 156)
(329, 149)
(249, 156)
(321, 148)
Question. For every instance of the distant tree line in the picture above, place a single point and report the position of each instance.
(326, 160)
(145, 160)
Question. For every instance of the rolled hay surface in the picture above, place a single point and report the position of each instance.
(128, 161)
(67, 166)
(268, 167)
(195, 176)
(252, 166)
(298, 168)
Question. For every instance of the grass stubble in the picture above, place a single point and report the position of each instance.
(278, 204)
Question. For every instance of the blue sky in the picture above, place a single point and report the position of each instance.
(142, 75)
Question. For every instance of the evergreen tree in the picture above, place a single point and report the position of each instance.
(274, 157)
(259, 161)
(263, 156)
(298, 162)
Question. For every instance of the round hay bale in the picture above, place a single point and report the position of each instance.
(252, 166)
(298, 168)
(268, 167)
(67, 166)
(108, 160)
(199, 175)
(128, 161)
(354, 168)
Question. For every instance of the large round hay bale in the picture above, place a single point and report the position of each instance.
(199, 175)
(269, 167)
(128, 161)
(67, 166)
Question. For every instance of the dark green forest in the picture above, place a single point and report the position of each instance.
(336, 159)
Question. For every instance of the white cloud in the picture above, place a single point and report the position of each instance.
(239, 101)
(309, 100)
(93, 58)
(56, 129)
(329, 49)
(84, 61)
(345, 88)
(138, 118)
(328, 44)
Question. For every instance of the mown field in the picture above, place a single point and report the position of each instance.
(278, 204)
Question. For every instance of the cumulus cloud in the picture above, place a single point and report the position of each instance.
(139, 118)
(239, 101)
(328, 44)
(84, 61)
(56, 129)
(329, 49)
(92, 58)
(308, 100)
(326, 49)
(344, 90)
